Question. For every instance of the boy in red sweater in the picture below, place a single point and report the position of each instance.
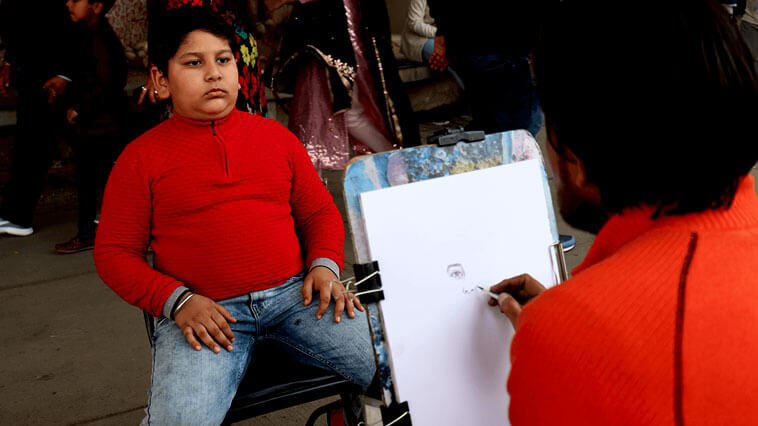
(658, 326)
(235, 213)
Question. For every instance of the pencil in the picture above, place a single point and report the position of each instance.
(489, 293)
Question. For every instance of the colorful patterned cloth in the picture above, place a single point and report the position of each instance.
(129, 20)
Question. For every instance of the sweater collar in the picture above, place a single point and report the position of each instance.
(229, 120)
(626, 226)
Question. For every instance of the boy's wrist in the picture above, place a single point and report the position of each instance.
(173, 299)
(326, 263)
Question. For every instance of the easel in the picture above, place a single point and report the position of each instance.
(384, 170)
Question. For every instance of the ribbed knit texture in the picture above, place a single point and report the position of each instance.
(600, 348)
(222, 204)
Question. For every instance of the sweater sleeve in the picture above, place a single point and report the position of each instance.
(124, 235)
(317, 221)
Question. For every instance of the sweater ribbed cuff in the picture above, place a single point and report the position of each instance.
(326, 263)
(172, 299)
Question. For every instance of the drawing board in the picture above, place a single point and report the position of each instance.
(436, 240)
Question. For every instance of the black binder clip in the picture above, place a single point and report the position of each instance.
(453, 135)
(372, 285)
(397, 414)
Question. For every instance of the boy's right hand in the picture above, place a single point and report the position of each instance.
(202, 318)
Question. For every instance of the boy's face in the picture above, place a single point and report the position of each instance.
(202, 78)
(82, 10)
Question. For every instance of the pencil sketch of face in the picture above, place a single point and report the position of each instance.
(456, 272)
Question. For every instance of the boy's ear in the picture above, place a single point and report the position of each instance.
(98, 7)
(160, 83)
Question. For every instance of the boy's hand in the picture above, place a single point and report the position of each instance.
(55, 87)
(324, 281)
(272, 5)
(5, 78)
(205, 319)
(148, 90)
(513, 293)
(71, 115)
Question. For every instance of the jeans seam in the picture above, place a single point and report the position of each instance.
(152, 379)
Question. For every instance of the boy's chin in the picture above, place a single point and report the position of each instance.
(209, 114)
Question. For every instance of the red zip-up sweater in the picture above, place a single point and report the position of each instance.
(226, 206)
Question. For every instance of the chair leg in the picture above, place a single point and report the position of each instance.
(322, 410)
(352, 407)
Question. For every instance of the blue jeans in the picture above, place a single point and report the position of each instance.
(192, 387)
(501, 91)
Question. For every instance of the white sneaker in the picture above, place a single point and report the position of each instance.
(3, 221)
(13, 229)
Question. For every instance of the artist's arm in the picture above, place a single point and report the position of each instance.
(121, 245)
(319, 225)
(514, 293)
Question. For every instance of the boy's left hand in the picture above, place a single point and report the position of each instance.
(324, 281)
(55, 87)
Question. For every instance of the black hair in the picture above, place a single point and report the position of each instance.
(107, 5)
(658, 99)
(170, 29)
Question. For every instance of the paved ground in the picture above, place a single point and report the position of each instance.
(73, 352)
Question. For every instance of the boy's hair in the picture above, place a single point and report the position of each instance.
(657, 99)
(170, 29)
(107, 5)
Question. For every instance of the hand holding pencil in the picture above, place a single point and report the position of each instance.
(512, 294)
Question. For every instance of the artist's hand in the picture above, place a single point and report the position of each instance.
(514, 293)
(55, 87)
(202, 318)
(5, 78)
(327, 284)
(71, 116)
(438, 61)
(148, 90)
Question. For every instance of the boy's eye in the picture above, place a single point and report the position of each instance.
(223, 60)
(193, 63)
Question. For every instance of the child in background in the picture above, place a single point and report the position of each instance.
(97, 108)
(243, 232)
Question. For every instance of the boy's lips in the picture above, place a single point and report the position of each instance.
(216, 92)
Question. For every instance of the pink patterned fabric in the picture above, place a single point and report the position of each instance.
(311, 119)
(129, 20)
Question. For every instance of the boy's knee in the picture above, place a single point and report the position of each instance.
(193, 406)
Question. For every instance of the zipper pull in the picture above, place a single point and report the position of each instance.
(213, 127)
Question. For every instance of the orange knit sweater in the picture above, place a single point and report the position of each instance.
(658, 326)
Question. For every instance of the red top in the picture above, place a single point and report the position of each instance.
(222, 203)
(659, 326)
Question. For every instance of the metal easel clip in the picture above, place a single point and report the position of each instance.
(453, 135)
(367, 274)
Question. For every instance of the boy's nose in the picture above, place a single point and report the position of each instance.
(213, 73)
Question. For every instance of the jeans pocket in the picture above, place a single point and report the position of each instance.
(160, 325)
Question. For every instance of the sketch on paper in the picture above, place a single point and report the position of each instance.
(456, 271)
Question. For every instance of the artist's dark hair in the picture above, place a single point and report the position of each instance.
(658, 99)
(170, 29)
(107, 5)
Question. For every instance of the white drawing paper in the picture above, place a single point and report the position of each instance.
(436, 241)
